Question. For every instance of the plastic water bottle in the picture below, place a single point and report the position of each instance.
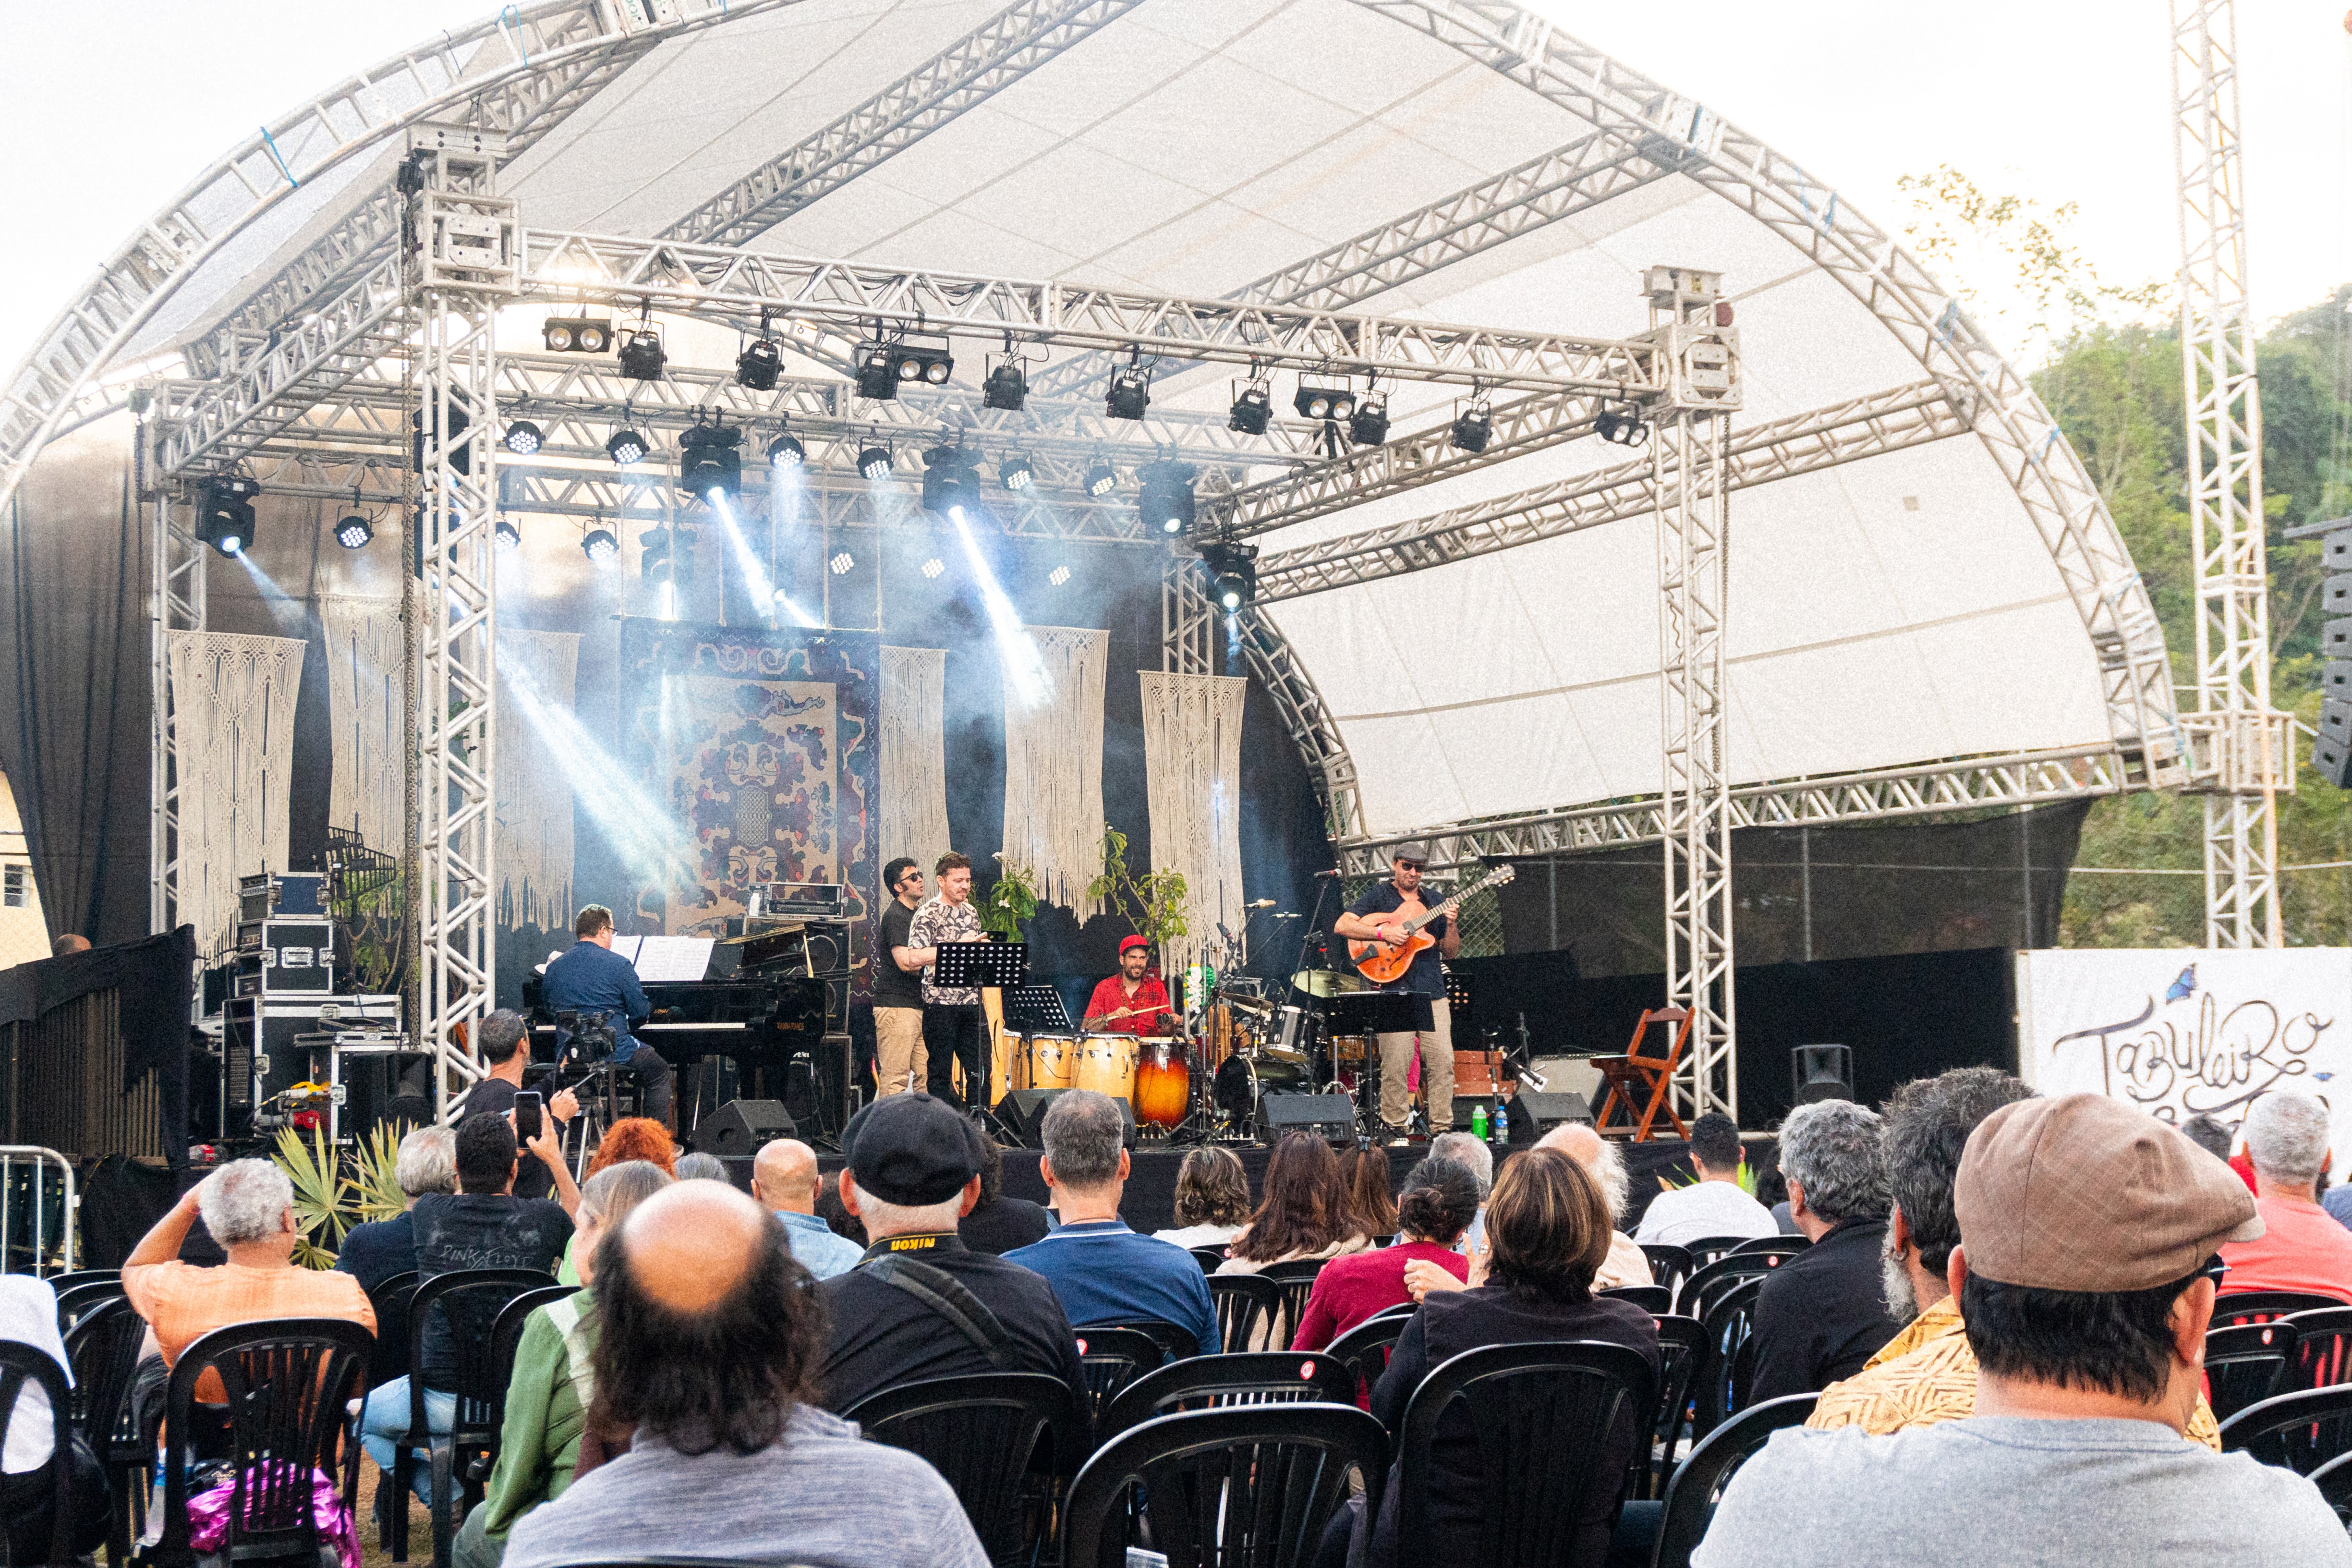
(1478, 1123)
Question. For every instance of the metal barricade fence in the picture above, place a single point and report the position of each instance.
(38, 1210)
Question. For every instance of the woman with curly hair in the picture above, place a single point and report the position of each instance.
(1212, 1199)
(632, 1138)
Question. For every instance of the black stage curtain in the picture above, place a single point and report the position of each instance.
(73, 713)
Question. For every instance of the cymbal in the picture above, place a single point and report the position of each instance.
(1257, 1004)
(1330, 982)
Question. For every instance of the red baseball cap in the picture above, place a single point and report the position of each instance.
(1126, 943)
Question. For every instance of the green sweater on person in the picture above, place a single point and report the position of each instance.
(547, 1406)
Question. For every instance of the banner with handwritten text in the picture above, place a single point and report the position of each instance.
(2180, 1031)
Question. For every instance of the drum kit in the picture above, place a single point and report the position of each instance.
(1291, 1050)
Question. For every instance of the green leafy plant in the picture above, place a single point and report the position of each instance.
(374, 1183)
(318, 1187)
(1152, 903)
(1010, 900)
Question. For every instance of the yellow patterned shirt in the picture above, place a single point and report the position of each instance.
(1927, 1373)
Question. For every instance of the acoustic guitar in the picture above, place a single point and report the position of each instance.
(1382, 963)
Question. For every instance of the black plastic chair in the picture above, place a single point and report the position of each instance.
(288, 1381)
(506, 1338)
(1720, 1388)
(1544, 1418)
(1212, 1383)
(2264, 1306)
(1366, 1347)
(469, 1301)
(19, 1364)
(1175, 1344)
(2333, 1480)
(980, 1433)
(1699, 1484)
(1112, 1358)
(1707, 1249)
(1253, 1485)
(2301, 1431)
(2246, 1365)
(1209, 1259)
(390, 1301)
(1669, 1266)
(1296, 1282)
(1401, 1310)
(1654, 1299)
(1682, 1351)
(2323, 1347)
(1782, 1245)
(1245, 1304)
(102, 1348)
(75, 1300)
(1703, 1289)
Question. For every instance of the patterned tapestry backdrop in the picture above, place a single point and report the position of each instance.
(762, 748)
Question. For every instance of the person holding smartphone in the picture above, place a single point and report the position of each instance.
(505, 1047)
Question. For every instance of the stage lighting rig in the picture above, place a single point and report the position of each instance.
(1368, 425)
(354, 531)
(932, 363)
(1253, 409)
(877, 382)
(1320, 401)
(874, 462)
(524, 438)
(576, 334)
(1625, 428)
(1473, 427)
(1016, 473)
(1102, 478)
(641, 354)
(1007, 386)
(224, 513)
(1166, 502)
(506, 535)
(1131, 388)
(599, 545)
(950, 480)
(628, 447)
(787, 451)
(710, 462)
(1233, 573)
(758, 366)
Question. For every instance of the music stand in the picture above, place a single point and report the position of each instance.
(1038, 1010)
(966, 966)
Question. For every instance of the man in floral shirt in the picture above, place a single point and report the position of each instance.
(953, 1026)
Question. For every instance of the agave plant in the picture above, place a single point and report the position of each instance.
(318, 1185)
(373, 1182)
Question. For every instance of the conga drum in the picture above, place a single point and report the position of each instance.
(1107, 1065)
(1163, 1083)
(1049, 1061)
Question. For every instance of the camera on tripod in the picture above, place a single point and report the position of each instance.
(590, 1035)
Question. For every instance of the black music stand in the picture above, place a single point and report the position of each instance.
(964, 965)
(1039, 1010)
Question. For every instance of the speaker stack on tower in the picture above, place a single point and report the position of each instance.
(2331, 749)
(1820, 1072)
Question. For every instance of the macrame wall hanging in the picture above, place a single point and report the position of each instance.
(1053, 764)
(363, 704)
(530, 844)
(233, 750)
(1193, 774)
(914, 755)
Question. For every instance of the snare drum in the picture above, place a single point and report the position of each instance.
(1048, 1061)
(1105, 1064)
(1354, 1048)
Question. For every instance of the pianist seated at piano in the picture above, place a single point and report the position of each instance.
(1131, 1002)
(592, 978)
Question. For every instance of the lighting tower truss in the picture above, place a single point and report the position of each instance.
(2241, 755)
(467, 252)
(175, 603)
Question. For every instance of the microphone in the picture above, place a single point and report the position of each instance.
(1223, 933)
(1327, 876)
(1259, 904)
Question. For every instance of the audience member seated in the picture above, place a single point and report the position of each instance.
(1365, 1169)
(1306, 1215)
(1715, 1205)
(997, 1224)
(552, 1386)
(1212, 1199)
(28, 1315)
(249, 1208)
(630, 1138)
(784, 1180)
(1547, 1232)
(1440, 1197)
(1101, 1271)
(1822, 1315)
(2303, 1247)
(483, 1226)
(699, 1166)
(374, 1252)
(2085, 1229)
(838, 1218)
(913, 1171)
(2211, 1133)
(1473, 1156)
(707, 1341)
(506, 1051)
(1604, 1162)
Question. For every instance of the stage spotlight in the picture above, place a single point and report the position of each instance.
(354, 531)
(1233, 573)
(599, 545)
(1253, 409)
(877, 382)
(786, 452)
(933, 567)
(1324, 401)
(1167, 500)
(577, 334)
(950, 479)
(1007, 388)
(1059, 575)
(524, 438)
(626, 446)
(930, 363)
(1016, 473)
(1102, 478)
(758, 366)
(874, 462)
(1625, 429)
(841, 564)
(225, 513)
(1369, 424)
(1474, 427)
(507, 536)
(1130, 393)
(641, 355)
(710, 462)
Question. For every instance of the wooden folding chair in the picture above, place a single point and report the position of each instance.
(1635, 1079)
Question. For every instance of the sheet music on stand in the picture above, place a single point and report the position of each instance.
(965, 964)
(672, 958)
(1038, 1010)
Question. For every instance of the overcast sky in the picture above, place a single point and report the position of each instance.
(109, 107)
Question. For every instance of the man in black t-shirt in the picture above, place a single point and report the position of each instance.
(504, 1042)
(899, 1058)
(1373, 917)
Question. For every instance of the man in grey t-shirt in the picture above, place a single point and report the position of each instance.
(2085, 1229)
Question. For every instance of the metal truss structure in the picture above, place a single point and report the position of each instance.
(2243, 752)
(175, 603)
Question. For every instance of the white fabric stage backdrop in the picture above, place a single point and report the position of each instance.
(1053, 766)
(2178, 1031)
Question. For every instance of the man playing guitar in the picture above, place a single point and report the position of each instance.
(1128, 1002)
(1379, 915)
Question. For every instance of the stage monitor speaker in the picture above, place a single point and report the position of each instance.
(1023, 1111)
(741, 1128)
(1549, 1110)
(1329, 1116)
(1820, 1072)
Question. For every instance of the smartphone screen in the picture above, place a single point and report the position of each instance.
(526, 1109)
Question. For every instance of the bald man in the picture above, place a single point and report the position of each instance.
(784, 1179)
(708, 1339)
(1626, 1265)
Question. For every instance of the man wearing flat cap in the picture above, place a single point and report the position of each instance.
(2087, 1228)
(1380, 914)
(920, 1304)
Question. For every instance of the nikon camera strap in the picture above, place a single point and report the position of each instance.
(941, 1291)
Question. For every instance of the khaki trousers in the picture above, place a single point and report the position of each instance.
(1436, 1071)
(898, 1049)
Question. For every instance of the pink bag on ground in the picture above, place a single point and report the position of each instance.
(208, 1518)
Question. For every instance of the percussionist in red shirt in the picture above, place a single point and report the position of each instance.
(1129, 1003)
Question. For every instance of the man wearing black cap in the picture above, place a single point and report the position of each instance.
(920, 1304)
(1380, 915)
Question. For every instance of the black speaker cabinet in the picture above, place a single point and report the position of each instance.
(1820, 1072)
(741, 1127)
(1553, 1109)
(1329, 1116)
(1022, 1113)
